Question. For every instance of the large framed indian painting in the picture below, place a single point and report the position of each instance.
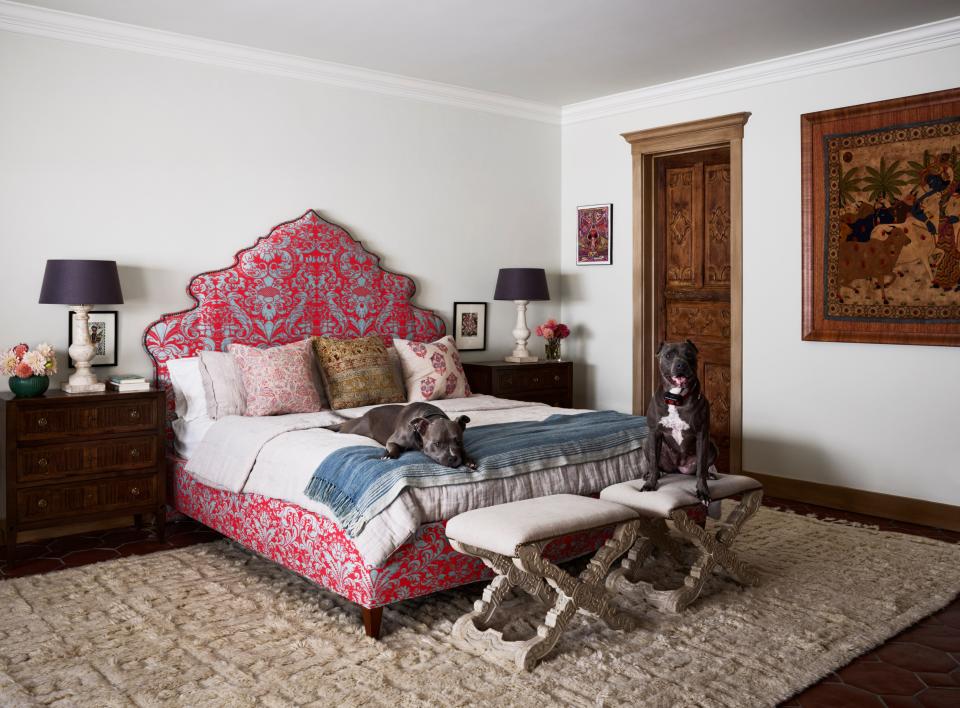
(881, 205)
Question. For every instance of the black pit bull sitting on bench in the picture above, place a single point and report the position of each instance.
(417, 426)
(679, 421)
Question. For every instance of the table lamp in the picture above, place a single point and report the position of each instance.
(80, 284)
(521, 285)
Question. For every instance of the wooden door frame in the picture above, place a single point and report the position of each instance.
(646, 146)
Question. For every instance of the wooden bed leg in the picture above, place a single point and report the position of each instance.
(371, 621)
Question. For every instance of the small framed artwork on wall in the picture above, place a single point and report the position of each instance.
(103, 333)
(595, 234)
(470, 326)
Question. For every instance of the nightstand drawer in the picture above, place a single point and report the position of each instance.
(44, 423)
(133, 491)
(528, 379)
(122, 417)
(39, 423)
(77, 460)
(51, 502)
(62, 501)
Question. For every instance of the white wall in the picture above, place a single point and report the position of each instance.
(869, 416)
(169, 167)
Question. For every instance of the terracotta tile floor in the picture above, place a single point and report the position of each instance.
(918, 668)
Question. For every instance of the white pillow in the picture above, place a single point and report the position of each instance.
(191, 402)
(222, 385)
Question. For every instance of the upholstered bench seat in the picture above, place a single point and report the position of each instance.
(505, 527)
(675, 491)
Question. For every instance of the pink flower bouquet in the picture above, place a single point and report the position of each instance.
(553, 330)
(23, 362)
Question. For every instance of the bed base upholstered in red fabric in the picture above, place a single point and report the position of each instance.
(316, 548)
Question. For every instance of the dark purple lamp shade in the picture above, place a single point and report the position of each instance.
(521, 284)
(81, 283)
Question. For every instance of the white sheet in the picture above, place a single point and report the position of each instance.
(289, 452)
(232, 445)
(188, 434)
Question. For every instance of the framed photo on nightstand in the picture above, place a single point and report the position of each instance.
(470, 326)
(103, 332)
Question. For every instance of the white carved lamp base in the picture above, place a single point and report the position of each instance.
(82, 351)
(521, 334)
(713, 549)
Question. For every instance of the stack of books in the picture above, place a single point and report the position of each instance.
(127, 382)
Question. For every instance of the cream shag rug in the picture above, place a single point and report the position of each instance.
(212, 625)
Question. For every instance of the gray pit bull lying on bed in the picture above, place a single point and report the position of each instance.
(416, 426)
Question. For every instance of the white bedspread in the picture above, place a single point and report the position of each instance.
(276, 457)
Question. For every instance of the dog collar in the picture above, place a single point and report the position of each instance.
(678, 399)
(673, 399)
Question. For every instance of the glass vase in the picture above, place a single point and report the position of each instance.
(551, 350)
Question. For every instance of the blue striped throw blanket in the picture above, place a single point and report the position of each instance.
(356, 485)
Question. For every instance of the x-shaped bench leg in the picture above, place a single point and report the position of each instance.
(714, 549)
(530, 571)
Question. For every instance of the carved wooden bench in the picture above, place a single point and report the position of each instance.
(510, 539)
(670, 502)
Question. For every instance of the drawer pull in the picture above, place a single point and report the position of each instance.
(42, 503)
(135, 452)
(135, 491)
(42, 462)
(134, 413)
(536, 379)
(42, 422)
(556, 378)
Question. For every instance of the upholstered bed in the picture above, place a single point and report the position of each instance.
(308, 277)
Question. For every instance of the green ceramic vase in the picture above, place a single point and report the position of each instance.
(28, 388)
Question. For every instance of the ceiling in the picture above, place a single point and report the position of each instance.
(551, 51)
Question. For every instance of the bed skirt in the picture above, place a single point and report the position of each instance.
(316, 548)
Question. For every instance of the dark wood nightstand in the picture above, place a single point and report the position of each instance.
(549, 382)
(79, 458)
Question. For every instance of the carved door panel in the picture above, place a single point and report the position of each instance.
(693, 242)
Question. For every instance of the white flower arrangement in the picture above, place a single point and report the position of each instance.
(23, 362)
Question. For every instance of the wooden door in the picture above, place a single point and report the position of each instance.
(693, 293)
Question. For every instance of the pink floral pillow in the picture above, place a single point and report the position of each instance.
(277, 380)
(432, 371)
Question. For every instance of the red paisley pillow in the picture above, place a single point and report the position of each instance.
(432, 371)
(277, 380)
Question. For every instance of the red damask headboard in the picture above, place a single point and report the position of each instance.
(307, 277)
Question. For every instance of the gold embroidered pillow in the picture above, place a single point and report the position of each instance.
(357, 372)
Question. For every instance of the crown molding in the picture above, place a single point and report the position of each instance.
(67, 26)
(899, 43)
